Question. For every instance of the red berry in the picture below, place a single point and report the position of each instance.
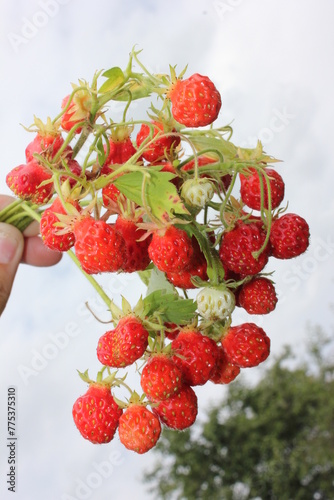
(195, 101)
(160, 377)
(171, 249)
(246, 345)
(98, 246)
(26, 182)
(238, 245)
(96, 414)
(179, 411)
(224, 371)
(77, 111)
(136, 256)
(171, 330)
(258, 296)
(197, 267)
(289, 236)
(110, 195)
(46, 145)
(250, 189)
(123, 345)
(120, 151)
(162, 147)
(49, 229)
(196, 355)
(139, 429)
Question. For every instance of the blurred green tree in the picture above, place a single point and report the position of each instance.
(274, 440)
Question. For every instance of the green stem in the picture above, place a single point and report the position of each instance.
(90, 278)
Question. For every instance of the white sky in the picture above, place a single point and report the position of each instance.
(272, 62)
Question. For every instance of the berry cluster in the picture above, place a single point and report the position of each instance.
(173, 199)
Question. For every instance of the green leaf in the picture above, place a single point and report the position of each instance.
(226, 148)
(160, 195)
(170, 306)
(115, 78)
(145, 275)
(156, 280)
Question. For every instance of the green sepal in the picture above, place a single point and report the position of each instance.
(134, 90)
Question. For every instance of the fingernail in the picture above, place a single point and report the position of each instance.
(8, 247)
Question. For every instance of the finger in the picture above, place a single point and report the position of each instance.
(37, 254)
(11, 250)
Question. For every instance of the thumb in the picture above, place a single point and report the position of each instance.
(11, 249)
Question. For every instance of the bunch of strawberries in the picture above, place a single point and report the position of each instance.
(172, 199)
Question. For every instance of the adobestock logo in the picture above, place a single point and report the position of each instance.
(278, 122)
(30, 27)
(84, 488)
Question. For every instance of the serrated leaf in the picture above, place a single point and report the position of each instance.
(226, 148)
(170, 307)
(115, 78)
(158, 281)
(160, 195)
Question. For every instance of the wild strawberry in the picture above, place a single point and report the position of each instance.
(75, 169)
(246, 345)
(120, 151)
(171, 330)
(289, 236)
(238, 245)
(136, 256)
(170, 249)
(77, 111)
(123, 345)
(197, 192)
(195, 354)
(96, 414)
(27, 182)
(179, 411)
(162, 147)
(111, 195)
(250, 189)
(98, 246)
(139, 429)
(45, 144)
(160, 377)
(257, 296)
(49, 229)
(214, 304)
(224, 371)
(195, 101)
(196, 269)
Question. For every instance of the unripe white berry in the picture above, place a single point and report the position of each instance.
(197, 192)
(215, 304)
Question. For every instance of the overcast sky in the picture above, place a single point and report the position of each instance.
(272, 62)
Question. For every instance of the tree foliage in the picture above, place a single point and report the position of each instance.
(274, 440)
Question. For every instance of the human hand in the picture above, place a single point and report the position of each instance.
(16, 248)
